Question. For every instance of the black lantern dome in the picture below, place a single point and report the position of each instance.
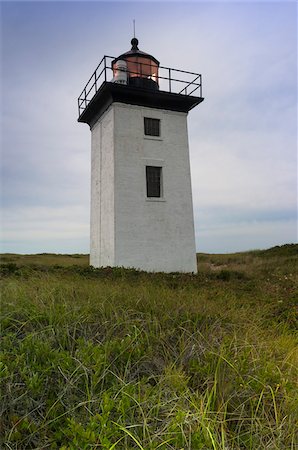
(141, 68)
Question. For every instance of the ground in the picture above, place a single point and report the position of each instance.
(120, 359)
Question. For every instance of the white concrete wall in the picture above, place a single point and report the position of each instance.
(102, 226)
(148, 234)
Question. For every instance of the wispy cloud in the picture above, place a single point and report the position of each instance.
(242, 138)
(45, 229)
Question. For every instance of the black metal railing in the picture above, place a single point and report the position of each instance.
(185, 83)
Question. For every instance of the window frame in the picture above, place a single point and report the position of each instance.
(148, 119)
(160, 187)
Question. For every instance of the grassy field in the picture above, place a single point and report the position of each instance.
(120, 359)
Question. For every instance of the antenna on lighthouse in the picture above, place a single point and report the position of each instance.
(134, 28)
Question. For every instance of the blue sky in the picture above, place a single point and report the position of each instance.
(243, 137)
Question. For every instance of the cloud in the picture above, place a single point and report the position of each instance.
(230, 238)
(45, 229)
(242, 137)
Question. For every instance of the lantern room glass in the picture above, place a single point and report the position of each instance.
(140, 67)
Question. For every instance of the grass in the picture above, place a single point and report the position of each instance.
(120, 359)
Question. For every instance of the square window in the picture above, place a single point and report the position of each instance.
(153, 181)
(151, 126)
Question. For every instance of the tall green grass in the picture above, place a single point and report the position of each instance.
(120, 359)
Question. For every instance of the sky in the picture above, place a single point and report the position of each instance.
(242, 138)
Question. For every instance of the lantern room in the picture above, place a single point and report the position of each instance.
(137, 78)
(136, 68)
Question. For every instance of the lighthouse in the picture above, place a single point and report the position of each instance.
(141, 199)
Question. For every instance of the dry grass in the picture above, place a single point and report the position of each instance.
(120, 359)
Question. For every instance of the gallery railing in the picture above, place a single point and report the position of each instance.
(168, 79)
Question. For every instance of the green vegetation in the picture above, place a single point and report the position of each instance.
(120, 359)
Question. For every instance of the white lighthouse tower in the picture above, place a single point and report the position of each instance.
(141, 200)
